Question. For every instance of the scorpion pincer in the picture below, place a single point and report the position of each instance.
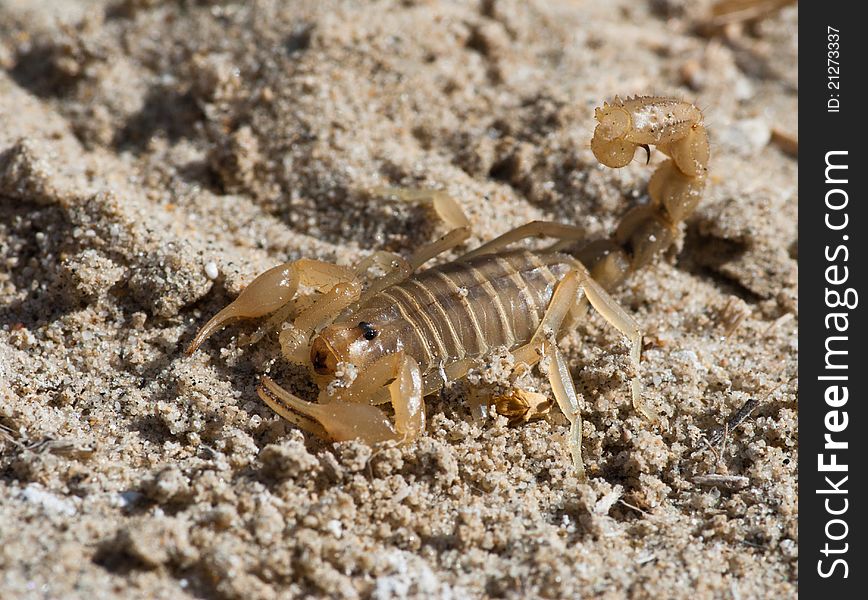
(402, 336)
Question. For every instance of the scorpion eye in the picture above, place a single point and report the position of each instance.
(368, 331)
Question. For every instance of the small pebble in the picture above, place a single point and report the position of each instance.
(211, 270)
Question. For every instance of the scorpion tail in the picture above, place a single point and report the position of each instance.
(675, 188)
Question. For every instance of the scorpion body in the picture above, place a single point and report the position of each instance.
(466, 308)
(406, 334)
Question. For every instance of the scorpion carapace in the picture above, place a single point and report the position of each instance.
(405, 334)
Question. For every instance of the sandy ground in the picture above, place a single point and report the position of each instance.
(156, 156)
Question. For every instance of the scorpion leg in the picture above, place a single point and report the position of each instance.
(395, 270)
(575, 288)
(616, 316)
(272, 291)
(398, 268)
(565, 395)
(435, 380)
(446, 207)
(448, 241)
(559, 231)
(449, 211)
(563, 299)
(345, 420)
(384, 260)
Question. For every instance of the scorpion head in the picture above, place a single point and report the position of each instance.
(359, 343)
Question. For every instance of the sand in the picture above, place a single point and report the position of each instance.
(156, 156)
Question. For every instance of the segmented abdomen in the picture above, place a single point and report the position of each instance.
(463, 309)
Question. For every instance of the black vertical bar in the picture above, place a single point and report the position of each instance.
(833, 458)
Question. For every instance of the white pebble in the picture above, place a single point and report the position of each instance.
(211, 271)
(48, 501)
(336, 528)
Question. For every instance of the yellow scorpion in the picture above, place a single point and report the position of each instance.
(404, 335)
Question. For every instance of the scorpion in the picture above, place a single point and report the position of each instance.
(409, 332)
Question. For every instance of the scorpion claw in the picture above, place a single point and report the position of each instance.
(340, 420)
